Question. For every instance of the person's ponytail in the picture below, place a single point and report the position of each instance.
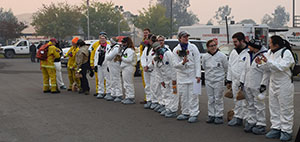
(287, 45)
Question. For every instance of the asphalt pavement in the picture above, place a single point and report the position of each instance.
(28, 115)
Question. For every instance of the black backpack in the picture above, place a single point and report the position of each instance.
(296, 68)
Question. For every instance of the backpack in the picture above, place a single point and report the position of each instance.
(42, 52)
(296, 68)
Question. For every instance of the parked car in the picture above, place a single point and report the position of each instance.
(19, 48)
(226, 49)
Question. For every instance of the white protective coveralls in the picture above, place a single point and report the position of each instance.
(59, 79)
(155, 86)
(128, 68)
(145, 61)
(281, 89)
(166, 73)
(236, 65)
(186, 75)
(102, 71)
(251, 77)
(215, 66)
(114, 71)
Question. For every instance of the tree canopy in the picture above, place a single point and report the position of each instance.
(103, 17)
(57, 20)
(10, 27)
(222, 13)
(278, 19)
(154, 19)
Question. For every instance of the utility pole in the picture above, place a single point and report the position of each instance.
(120, 9)
(88, 19)
(171, 19)
(293, 13)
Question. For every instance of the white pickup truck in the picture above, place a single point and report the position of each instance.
(19, 48)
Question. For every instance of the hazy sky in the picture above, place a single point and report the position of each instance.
(204, 9)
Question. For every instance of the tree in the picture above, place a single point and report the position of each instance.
(278, 19)
(210, 22)
(223, 11)
(181, 16)
(248, 21)
(103, 17)
(10, 27)
(57, 20)
(154, 19)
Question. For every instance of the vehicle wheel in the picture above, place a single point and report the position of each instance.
(9, 54)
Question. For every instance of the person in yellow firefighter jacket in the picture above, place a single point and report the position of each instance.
(142, 46)
(92, 57)
(48, 68)
(71, 66)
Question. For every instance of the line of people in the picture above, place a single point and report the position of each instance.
(172, 78)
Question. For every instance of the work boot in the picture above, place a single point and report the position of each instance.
(284, 136)
(157, 108)
(219, 120)
(55, 92)
(147, 105)
(143, 102)
(128, 101)
(235, 122)
(170, 114)
(63, 87)
(161, 109)
(47, 91)
(100, 96)
(273, 134)
(193, 119)
(108, 97)
(86, 93)
(80, 91)
(259, 130)
(182, 117)
(210, 119)
(96, 94)
(153, 105)
(248, 127)
(118, 99)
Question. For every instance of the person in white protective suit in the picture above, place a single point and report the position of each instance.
(128, 62)
(145, 61)
(162, 87)
(215, 65)
(236, 65)
(166, 77)
(187, 63)
(251, 78)
(277, 64)
(155, 87)
(113, 57)
(100, 65)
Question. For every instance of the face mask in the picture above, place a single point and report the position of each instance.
(184, 46)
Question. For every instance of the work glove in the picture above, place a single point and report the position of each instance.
(262, 88)
(91, 73)
(241, 85)
(228, 84)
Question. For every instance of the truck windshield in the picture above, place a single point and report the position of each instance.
(261, 33)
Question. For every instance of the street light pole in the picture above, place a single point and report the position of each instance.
(171, 19)
(88, 20)
(293, 13)
(120, 9)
